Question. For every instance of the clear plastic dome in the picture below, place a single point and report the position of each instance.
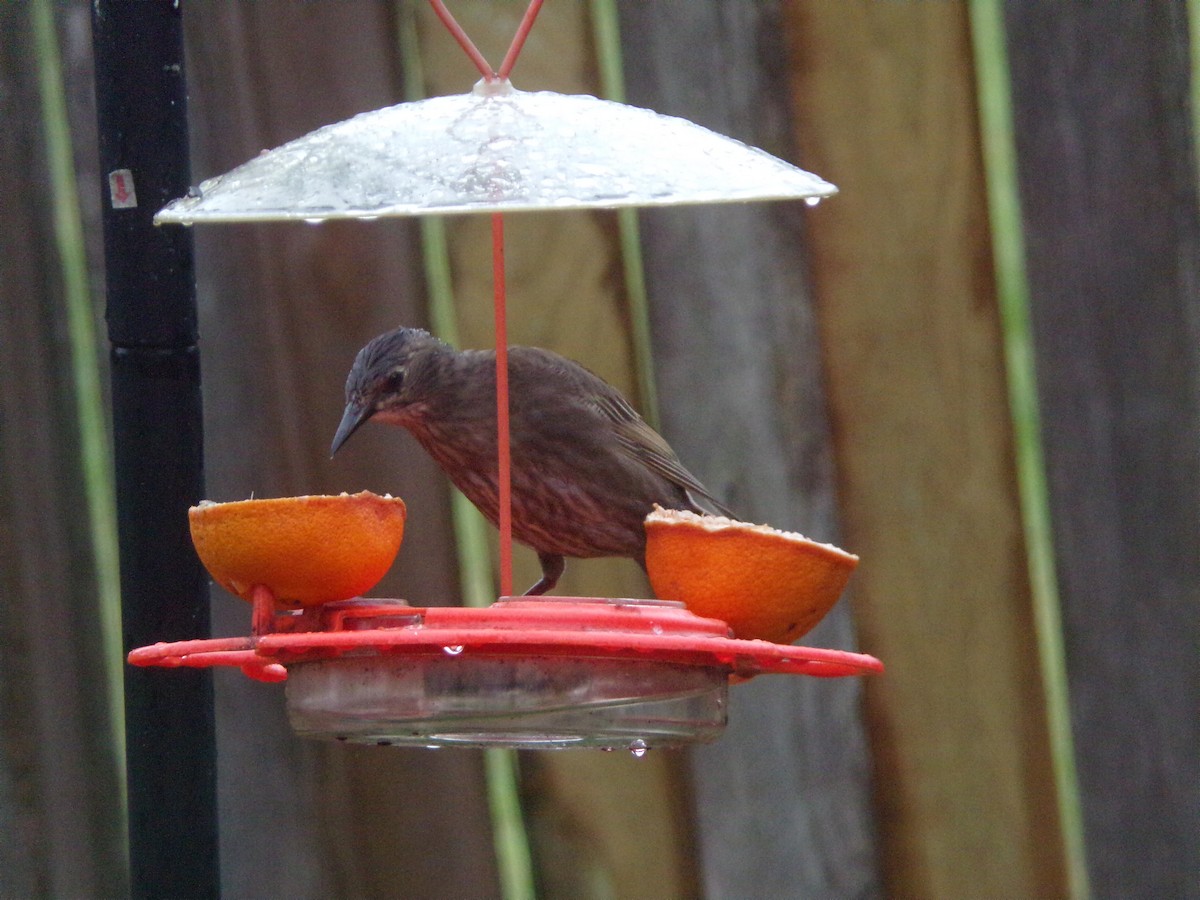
(495, 149)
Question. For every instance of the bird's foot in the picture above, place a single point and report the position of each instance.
(552, 568)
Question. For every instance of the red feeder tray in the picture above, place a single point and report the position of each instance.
(542, 672)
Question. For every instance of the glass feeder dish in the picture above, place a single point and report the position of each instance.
(495, 149)
(527, 672)
(479, 694)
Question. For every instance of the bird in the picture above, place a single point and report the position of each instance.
(586, 468)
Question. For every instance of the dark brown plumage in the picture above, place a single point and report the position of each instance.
(586, 469)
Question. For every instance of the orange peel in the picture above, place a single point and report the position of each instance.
(764, 583)
(306, 550)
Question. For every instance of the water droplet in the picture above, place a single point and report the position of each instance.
(638, 748)
(657, 629)
(812, 201)
(453, 649)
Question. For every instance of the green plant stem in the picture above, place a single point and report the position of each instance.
(1000, 164)
(95, 450)
(607, 37)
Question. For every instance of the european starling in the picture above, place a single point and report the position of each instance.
(586, 469)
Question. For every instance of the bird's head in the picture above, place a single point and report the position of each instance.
(381, 380)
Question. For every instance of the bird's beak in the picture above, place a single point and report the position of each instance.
(354, 416)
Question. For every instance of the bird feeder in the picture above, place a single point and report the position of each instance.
(536, 672)
(525, 672)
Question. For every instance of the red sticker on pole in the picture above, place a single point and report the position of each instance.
(120, 189)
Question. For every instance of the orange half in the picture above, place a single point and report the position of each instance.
(307, 550)
(764, 583)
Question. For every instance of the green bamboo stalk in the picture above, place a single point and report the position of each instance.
(95, 450)
(607, 37)
(476, 573)
(1008, 247)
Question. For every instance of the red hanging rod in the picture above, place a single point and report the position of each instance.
(481, 63)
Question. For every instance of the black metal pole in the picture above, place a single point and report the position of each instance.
(141, 101)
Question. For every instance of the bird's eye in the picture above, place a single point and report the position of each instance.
(394, 381)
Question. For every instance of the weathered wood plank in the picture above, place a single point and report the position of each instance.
(782, 802)
(283, 311)
(912, 345)
(1107, 170)
(59, 785)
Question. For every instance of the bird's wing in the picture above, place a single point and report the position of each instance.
(644, 443)
(649, 447)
